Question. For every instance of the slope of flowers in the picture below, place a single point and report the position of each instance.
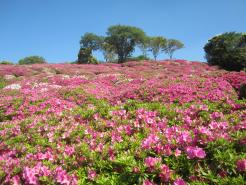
(170, 122)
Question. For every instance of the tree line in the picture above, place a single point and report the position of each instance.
(121, 41)
(227, 50)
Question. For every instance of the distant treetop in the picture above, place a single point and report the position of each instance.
(32, 60)
(120, 42)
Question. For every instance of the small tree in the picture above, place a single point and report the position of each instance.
(85, 57)
(6, 62)
(91, 41)
(171, 46)
(108, 52)
(227, 50)
(144, 46)
(156, 44)
(123, 39)
(32, 60)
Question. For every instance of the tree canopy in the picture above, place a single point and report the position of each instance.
(32, 60)
(156, 44)
(124, 39)
(120, 42)
(91, 41)
(227, 50)
(171, 46)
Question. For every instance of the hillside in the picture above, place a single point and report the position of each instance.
(131, 123)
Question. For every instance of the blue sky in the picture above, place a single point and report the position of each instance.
(52, 28)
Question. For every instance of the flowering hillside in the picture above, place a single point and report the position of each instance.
(170, 122)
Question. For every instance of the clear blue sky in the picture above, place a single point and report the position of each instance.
(52, 28)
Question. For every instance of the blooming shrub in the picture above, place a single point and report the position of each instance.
(176, 122)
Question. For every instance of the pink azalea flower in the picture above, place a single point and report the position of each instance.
(165, 172)
(29, 175)
(16, 180)
(195, 152)
(179, 181)
(148, 182)
(92, 174)
(151, 161)
(177, 152)
(69, 150)
(241, 165)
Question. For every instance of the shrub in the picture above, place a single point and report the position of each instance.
(242, 91)
(227, 50)
(6, 62)
(85, 57)
(2, 83)
(138, 58)
(32, 60)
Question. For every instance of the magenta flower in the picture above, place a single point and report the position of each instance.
(69, 150)
(92, 174)
(148, 182)
(151, 162)
(241, 165)
(177, 152)
(16, 180)
(195, 152)
(29, 175)
(179, 181)
(165, 172)
(62, 176)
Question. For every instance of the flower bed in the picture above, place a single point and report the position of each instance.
(169, 122)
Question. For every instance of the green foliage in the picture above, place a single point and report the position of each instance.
(144, 46)
(85, 56)
(91, 41)
(171, 46)
(32, 60)
(4, 62)
(227, 50)
(2, 83)
(123, 39)
(242, 91)
(156, 44)
(138, 58)
(108, 52)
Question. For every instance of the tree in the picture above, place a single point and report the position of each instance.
(171, 46)
(123, 39)
(156, 44)
(138, 58)
(108, 52)
(6, 62)
(227, 50)
(144, 46)
(32, 60)
(91, 41)
(85, 56)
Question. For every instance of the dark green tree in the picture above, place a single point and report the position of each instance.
(156, 44)
(32, 60)
(91, 41)
(123, 39)
(227, 50)
(171, 46)
(6, 62)
(85, 56)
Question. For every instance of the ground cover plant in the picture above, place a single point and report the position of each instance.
(169, 122)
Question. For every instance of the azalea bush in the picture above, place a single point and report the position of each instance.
(173, 122)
